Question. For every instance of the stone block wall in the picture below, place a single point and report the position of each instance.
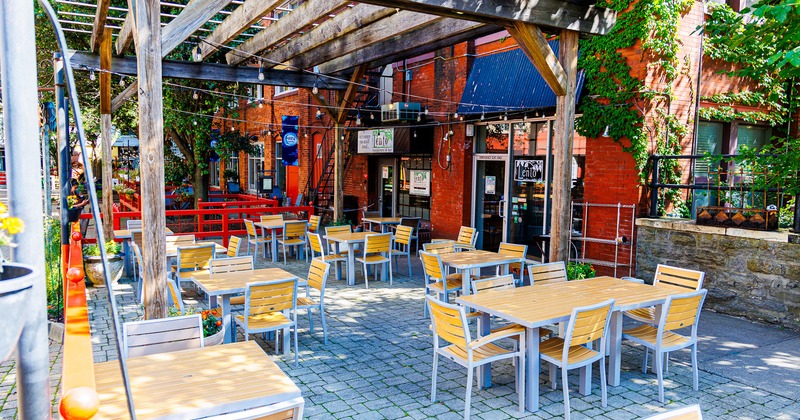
(748, 273)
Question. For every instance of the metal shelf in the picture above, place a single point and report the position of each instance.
(599, 240)
(601, 262)
(622, 229)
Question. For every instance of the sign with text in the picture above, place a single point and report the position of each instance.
(420, 183)
(529, 170)
(380, 140)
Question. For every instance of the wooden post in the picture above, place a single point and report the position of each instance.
(338, 184)
(562, 150)
(151, 147)
(105, 133)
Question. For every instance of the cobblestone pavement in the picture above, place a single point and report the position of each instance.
(377, 364)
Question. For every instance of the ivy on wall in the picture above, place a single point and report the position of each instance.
(614, 105)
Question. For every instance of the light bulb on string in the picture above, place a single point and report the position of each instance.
(261, 103)
(426, 109)
(194, 122)
(196, 95)
(319, 113)
(505, 116)
(419, 117)
(92, 77)
(260, 71)
(391, 105)
(233, 129)
(122, 81)
(372, 115)
(305, 135)
(198, 54)
(415, 133)
(455, 115)
(483, 114)
(358, 118)
(315, 89)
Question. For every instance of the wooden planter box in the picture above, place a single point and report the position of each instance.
(755, 219)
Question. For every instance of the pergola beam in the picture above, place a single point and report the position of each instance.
(193, 16)
(123, 96)
(100, 17)
(126, 34)
(550, 14)
(305, 14)
(535, 46)
(211, 72)
(237, 22)
(358, 17)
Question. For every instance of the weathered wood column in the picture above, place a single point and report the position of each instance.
(105, 133)
(151, 161)
(562, 149)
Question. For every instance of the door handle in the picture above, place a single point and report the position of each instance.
(501, 210)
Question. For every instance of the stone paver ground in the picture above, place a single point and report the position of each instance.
(377, 364)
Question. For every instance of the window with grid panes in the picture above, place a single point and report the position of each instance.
(413, 205)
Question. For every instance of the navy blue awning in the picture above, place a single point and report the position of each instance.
(508, 80)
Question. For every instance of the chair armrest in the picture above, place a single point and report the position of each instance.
(498, 335)
(632, 279)
(474, 314)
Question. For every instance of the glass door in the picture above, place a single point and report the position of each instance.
(386, 185)
(490, 209)
(529, 197)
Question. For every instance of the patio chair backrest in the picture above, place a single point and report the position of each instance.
(195, 257)
(432, 263)
(294, 230)
(163, 335)
(270, 218)
(377, 243)
(370, 214)
(179, 240)
(299, 200)
(230, 265)
(554, 272)
(133, 224)
(588, 324)
(251, 228)
(136, 237)
(467, 236)
(270, 296)
(316, 243)
(513, 250)
(175, 294)
(333, 230)
(412, 222)
(313, 223)
(403, 235)
(681, 311)
(449, 322)
(318, 274)
(442, 247)
(678, 277)
(234, 245)
(493, 283)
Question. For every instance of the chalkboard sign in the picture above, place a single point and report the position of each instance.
(529, 170)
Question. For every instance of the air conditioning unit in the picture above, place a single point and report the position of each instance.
(400, 111)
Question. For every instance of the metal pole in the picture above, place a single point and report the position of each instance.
(18, 75)
(64, 158)
(654, 188)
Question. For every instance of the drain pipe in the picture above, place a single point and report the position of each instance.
(20, 114)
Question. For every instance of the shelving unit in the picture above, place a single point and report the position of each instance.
(623, 240)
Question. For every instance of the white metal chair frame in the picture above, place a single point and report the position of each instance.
(291, 238)
(437, 280)
(316, 280)
(376, 255)
(402, 242)
(163, 335)
(316, 245)
(254, 238)
(291, 319)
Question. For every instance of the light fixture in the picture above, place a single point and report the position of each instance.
(419, 117)
(461, 118)
(536, 114)
(315, 89)
(525, 117)
(232, 128)
(342, 137)
(391, 105)
(426, 109)
(260, 73)
(195, 95)
(605, 132)
(261, 103)
(121, 81)
(92, 77)
(415, 133)
(305, 135)
(198, 54)
(372, 115)
(483, 114)
(455, 115)
(505, 116)
(358, 118)
(319, 113)
(194, 122)
(269, 132)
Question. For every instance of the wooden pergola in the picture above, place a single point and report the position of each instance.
(337, 38)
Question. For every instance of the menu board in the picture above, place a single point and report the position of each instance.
(420, 183)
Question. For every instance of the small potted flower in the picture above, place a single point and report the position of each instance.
(93, 265)
(75, 203)
(16, 281)
(213, 333)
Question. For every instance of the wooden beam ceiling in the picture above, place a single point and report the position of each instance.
(532, 42)
(237, 22)
(80, 60)
(100, 16)
(302, 17)
(193, 16)
(125, 35)
(549, 14)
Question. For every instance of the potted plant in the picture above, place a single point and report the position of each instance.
(213, 333)
(232, 178)
(74, 210)
(16, 281)
(93, 264)
(580, 271)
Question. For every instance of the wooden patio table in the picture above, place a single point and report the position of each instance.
(273, 228)
(194, 383)
(539, 305)
(128, 233)
(126, 236)
(227, 284)
(475, 260)
(383, 222)
(350, 240)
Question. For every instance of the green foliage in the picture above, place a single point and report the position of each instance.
(176, 169)
(579, 271)
(780, 160)
(93, 250)
(231, 175)
(211, 324)
(786, 214)
(52, 264)
(728, 114)
(341, 222)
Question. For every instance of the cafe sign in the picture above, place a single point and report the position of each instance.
(529, 170)
(380, 140)
(420, 183)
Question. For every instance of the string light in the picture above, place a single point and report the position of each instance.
(505, 116)
(122, 81)
(198, 54)
(195, 122)
(232, 128)
(415, 133)
(372, 115)
(483, 114)
(358, 118)
(261, 71)
(419, 117)
(426, 109)
(92, 77)
(455, 115)
(196, 95)
(391, 105)
(319, 113)
(315, 89)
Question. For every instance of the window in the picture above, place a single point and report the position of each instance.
(213, 173)
(709, 141)
(413, 205)
(255, 167)
(233, 163)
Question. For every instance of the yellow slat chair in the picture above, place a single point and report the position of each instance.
(192, 260)
(254, 238)
(270, 218)
(691, 412)
(450, 325)
(467, 238)
(547, 273)
(175, 295)
(377, 251)
(586, 325)
(316, 247)
(294, 235)
(498, 283)
(368, 215)
(179, 240)
(133, 224)
(402, 242)
(679, 311)
(270, 306)
(413, 223)
(314, 222)
(164, 335)
(232, 265)
(332, 230)
(517, 251)
(234, 246)
(437, 280)
(440, 246)
(316, 280)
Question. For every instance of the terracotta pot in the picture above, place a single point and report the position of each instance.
(16, 281)
(93, 267)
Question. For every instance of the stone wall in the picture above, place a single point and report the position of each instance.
(748, 273)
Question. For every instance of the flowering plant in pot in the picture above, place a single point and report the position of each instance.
(212, 323)
(16, 281)
(93, 264)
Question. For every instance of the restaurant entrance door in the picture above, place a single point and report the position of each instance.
(491, 206)
(386, 182)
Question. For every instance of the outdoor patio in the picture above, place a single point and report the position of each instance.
(378, 364)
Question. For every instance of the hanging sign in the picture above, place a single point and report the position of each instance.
(529, 170)
(289, 137)
(489, 185)
(380, 140)
(420, 183)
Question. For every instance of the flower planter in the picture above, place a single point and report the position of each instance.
(754, 219)
(93, 267)
(214, 339)
(16, 281)
(73, 215)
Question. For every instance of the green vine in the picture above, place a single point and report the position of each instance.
(728, 114)
(615, 104)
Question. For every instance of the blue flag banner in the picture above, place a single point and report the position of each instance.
(289, 143)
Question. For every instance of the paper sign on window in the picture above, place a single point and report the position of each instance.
(420, 183)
